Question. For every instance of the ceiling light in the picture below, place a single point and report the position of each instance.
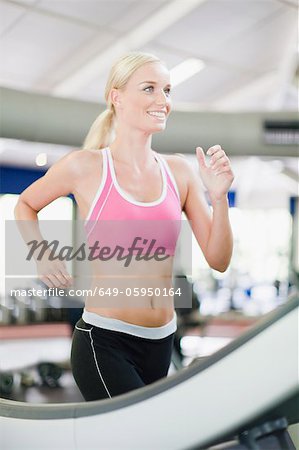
(41, 159)
(167, 15)
(185, 70)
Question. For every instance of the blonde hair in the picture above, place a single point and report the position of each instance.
(102, 130)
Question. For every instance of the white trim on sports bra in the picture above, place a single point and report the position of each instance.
(101, 186)
(126, 196)
(171, 176)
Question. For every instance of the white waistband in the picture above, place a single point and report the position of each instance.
(137, 330)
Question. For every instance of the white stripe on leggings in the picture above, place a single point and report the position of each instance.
(96, 362)
(94, 355)
(81, 329)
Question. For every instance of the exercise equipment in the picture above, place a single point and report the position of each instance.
(245, 385)
(50, 374)
(6, 383)
(41, 374)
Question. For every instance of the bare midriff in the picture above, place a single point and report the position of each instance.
(140, 294)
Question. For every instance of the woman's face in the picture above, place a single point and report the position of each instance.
(144, 103)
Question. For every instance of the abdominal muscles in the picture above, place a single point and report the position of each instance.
(140, 294)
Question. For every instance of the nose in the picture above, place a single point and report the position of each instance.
(161, 98)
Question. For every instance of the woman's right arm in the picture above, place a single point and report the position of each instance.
(60, 180)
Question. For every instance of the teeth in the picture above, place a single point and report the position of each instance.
(157, 114)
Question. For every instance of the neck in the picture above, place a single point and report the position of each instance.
(132, 148)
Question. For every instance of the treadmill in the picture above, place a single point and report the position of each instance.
(242, 397)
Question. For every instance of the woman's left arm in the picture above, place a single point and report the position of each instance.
(212, 230)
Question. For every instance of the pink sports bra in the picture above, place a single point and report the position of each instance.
(117, 219)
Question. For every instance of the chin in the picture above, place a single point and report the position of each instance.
(157, 129)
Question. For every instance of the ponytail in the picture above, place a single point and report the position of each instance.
(101, 131)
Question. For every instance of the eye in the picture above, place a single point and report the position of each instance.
(167, 90)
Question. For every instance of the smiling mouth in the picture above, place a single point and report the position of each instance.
(156, 114)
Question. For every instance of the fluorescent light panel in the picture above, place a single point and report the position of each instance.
(15, 152)
(145, 32)
(185, 70)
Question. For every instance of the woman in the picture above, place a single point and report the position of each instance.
(118, 177)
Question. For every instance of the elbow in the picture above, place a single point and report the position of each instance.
(220, 262)
(19, 209)
(220, 266)
(16, 210)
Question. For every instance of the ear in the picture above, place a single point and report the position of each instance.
(115, 97)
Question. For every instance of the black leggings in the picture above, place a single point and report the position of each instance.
(107, 363)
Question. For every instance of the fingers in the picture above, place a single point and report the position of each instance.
(51, 281)
(201, 157)
(46, 280)
(64, 277)
(56, 276)
(223, 170)
(56, 280)
(219, 160)
(212, 150)
(219, 163)
(59, 280)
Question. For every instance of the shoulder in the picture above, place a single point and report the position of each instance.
(176, 159)
(77, 162)
(73, 169)
(79, 158)
(180, 166)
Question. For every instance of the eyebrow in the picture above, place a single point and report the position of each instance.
(154, 82)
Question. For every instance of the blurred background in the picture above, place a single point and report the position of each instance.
(234, 68)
